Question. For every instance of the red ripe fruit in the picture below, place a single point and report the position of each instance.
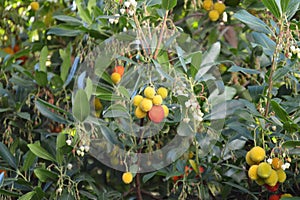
(274, 197)
(156, 114)
(272, 188)
(119, 70)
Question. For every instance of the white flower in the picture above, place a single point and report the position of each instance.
(197, 117)
(82, 154)
(131, 12)
(69, 166)
(188, 103)
(124, 29)
(270, 161)
(274, 128)
(122, 11)
(78, 152)
(86, 148)
(59, 190)
(69, 142)
(285, 166)
(289, 55)
(298, 55)
(261, 110)
(194, 104)
(293, 49)
(111, 20)
(297, 50)
(81, 148)
(127, 4)
(133, 3)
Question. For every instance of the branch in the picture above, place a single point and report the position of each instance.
(161, 35)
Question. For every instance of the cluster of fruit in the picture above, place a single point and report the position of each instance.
(151, 104)
(214, 9)
(279, 196)
(269, 173)
(117, 74)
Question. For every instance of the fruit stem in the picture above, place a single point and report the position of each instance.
(161, 35)
(138, 175)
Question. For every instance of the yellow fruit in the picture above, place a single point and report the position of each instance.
(127, 177)
(97, 104)
(149, 92)
(257, 154)
(157, 100)
(272, 179)
(115, 77)
(166, 110)
(207, 5)
(281, 175)
(139, 113)
(260, 181)
(220, 7)
(163, 92)
(35, 5)
(252, 172)
(286, 195)
(213, 15)
(248, 159)
(146, 105)
(277, 163)
(137, 100)
(264, 170)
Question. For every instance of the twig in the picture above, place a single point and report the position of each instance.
(161, 35)
(187, 17)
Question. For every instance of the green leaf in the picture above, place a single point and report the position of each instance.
(279, 111)
(45, 175)
(116, 110)
(293, 7)
(29, 160)
(68, 19)
(241, 189)
(41, 78)
(63, 31)
(43, 59)
(291, 144)
(40, 152)
(253, 22)
(83, 13)
(184, 129)
(147, 177)
(91, 5)
(27, 196)
(7, 156)
(51, 115)
(168, 4)
(196, 59)
(235, 68)
(208, 60)
(81, 106)
(24, 115)
(60, 142)
(89, 88)
(66, 64)
(284, 5)
(7, 193)
(274, 6)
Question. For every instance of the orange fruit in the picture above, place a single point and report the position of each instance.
(127, 177)
(115, 77)
(277, 163)
(119, 69)
(156, 114)
(213, 15)
(34, 5)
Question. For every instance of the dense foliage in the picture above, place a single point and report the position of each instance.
(155, 99)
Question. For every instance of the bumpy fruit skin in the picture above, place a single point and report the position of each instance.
(272, 179)
(35, 5)
(149, 92)
(252, 172)
(139, 113)
(249, 161)
(157, 100)
(207, 5)
(281, 175)
(272, 188)
(119, 69)
(137, 99)
(115, 77)
(156, 114)
(213, 15)
(274, 197)
(97, 104)
(220, 7)
(260, 181)
(127, 177)
(286, 195)
(264, 170)
(146, 104)
(163, 92)
(257, 154)
(166, 110)
(277, 163)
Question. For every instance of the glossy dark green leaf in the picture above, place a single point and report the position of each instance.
(274, 6)
(43, 59)
(68, 19)
(66, 64)
(83, 13)
(40, 152)
(279, 111)
(253, 22)
(45, 175)
(168, 4)
(291, 144)
(60, 31)
(41, 78)
(27, 196)
(29, 161)
(8, 193)
(235, 68)
(7, 156)
(293, 7)
(147, 177)
(48, 113)
(81, 105)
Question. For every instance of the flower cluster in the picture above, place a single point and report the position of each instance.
(294, 51)
(194, 106)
